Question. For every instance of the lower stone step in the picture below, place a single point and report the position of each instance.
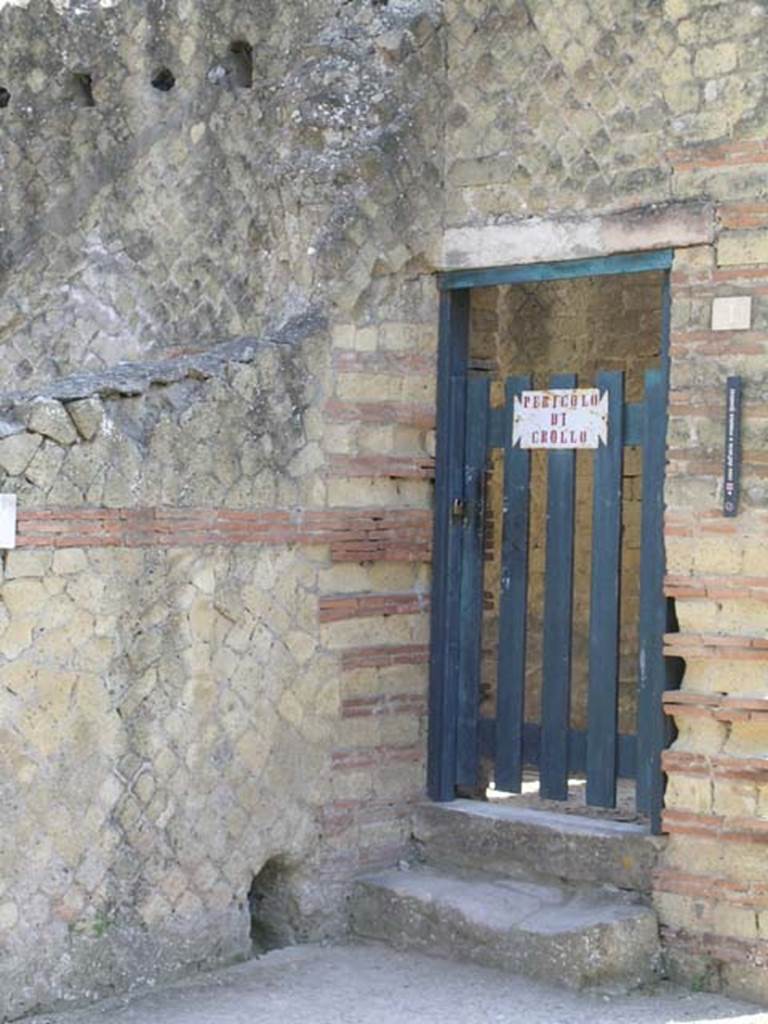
(574, 937)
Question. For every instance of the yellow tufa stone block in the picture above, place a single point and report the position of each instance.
(735, 799)
(717, 60)
(742, 248)
(689, 793)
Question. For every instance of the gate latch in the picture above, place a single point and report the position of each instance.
(458, 510)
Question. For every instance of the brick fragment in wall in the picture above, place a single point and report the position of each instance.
(396, 466)
(344, 606)
(383, 655)
(408, 413)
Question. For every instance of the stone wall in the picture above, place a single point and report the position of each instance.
(579, 108)
(592, 127)
(216, 226)
(218, 318)
(138, 220)
(191, 691)
(713, 890)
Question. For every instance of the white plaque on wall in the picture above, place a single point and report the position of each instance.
(733, 313)
(7, 520)
(561, 418)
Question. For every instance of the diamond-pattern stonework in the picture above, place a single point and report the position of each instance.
(576, 106)
(142, 701)
(220, 222)
(153, 220)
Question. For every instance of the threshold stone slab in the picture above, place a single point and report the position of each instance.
(520, 841)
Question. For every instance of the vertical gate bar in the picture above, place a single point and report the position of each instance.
(513, 610)
(651, 726)
(558, 601)
(447, 539)
(471, 581)
(604, 605)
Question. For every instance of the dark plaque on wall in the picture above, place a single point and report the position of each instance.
(732, 469)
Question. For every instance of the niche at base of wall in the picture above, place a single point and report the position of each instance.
(733, 313)
(7, 520)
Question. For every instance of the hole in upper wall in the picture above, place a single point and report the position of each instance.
(241, 59)
(163, 80)
(81, 89)
(5, 97)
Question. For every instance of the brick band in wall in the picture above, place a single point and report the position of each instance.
(729, 154)
(721, 766)
(717, 588)
(715, 826)
(403, 467)
(702, 646)
(402, 364)
(353, 534)
(714, 888)
(411, 414)
(412, 704)
(371, 757)
(716, 947)
(721, 707)
(384, 656)
(341, 607)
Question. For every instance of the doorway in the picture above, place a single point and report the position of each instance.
(548, 609)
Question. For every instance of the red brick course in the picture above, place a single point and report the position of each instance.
(372, 757)
(729, 154)
(400, 364)
(714, 826)
(384, 656)
(410, 414)
(703, 646)
(353, 534)
(716, 947)
(719, 706)
(754, 588)
(716, 766)
(403, 467)
(413, 704)
(339, 607)
(711, 887)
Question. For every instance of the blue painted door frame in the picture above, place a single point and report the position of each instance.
(452, 746)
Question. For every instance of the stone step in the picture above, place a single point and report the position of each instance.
(572, 936)
(521, 842)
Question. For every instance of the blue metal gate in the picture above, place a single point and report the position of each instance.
(468, 430)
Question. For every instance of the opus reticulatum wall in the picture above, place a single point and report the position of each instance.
(219, 227)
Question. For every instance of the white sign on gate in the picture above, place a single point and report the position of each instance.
(561, 418)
